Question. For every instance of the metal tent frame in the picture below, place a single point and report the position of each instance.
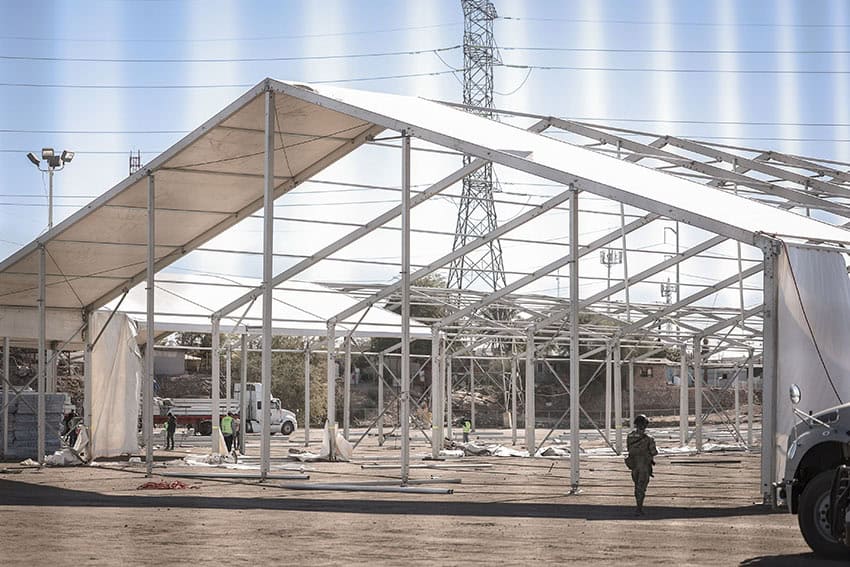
(279, 135)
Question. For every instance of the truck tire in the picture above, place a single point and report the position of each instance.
(813, 516)
(287, 428)
(205, 427)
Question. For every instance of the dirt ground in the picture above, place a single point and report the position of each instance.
(702, 510)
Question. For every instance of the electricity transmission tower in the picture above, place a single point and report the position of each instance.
(477, 213)
(135, 161)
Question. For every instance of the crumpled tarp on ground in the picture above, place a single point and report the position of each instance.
(210, 459)
(456, 449)
(69, 456)
(553, 451)
(343, 450)
(63, 458)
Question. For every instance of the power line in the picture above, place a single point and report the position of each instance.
(214, 86)
(577, 118)
(687, 71)
(230, 60)
(225, 39)
(683, 51)
(674, 23)
(699, 137)
(694, 137)
(709, 122)
(22, 131)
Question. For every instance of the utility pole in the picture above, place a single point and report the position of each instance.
(667, 291)
(608, 257)
(477, 212)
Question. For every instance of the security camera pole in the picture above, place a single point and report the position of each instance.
(54, 162)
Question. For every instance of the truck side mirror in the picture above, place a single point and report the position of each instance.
(795, 394)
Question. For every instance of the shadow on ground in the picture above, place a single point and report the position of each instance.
(13, 493)
(795, 560)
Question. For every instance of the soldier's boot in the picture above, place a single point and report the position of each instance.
(639, 511)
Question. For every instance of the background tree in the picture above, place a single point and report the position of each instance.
(424, 311)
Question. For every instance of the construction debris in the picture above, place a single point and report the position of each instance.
(165, 485)
(343, 450)
(23, 424)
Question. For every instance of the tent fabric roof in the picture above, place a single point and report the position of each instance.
(185, 303)
(213, 178)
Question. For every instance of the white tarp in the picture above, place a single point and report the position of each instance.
(814, 333)
(116, 375)
(710, 208)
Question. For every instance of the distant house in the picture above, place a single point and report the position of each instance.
(169, 362)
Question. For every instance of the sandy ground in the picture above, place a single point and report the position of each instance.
(702, 510)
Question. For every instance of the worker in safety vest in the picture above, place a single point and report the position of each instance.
(227, 430)
(467, 428)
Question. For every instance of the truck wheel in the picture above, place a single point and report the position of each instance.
(287, 428)
(813, 516)
(205, 428)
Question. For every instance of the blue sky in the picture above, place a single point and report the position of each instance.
(727, 88)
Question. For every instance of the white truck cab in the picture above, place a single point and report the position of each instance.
(816, 486)
(282, 420)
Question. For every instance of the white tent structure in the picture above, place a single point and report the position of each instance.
(279, 135)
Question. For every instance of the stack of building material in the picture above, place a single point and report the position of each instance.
(23, 425)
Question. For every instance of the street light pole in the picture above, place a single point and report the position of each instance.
(50, 199)
(676, 233)
(54, 163)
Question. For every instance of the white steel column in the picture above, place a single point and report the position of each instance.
(405, 309)
(575, 386)
(228, 385)
(514, 363)
(618, 399)
(442, 371)
(42, 331)
(449, 388)
(684, 406)
(346, 389)
(243, 394)
(698, 393)
(529, 394)
(472, 390)
(738, 407)
(436, 390)
(150, 328)
(268, 274)
(381, 400)
(609, 386)
(750, 379)
(87, 375)
(769, 374)
(307, 357)
(215, 385)
(331, 370)
(6, 379)
(631, 393)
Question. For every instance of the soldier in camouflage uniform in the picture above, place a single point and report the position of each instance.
(641, 447)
